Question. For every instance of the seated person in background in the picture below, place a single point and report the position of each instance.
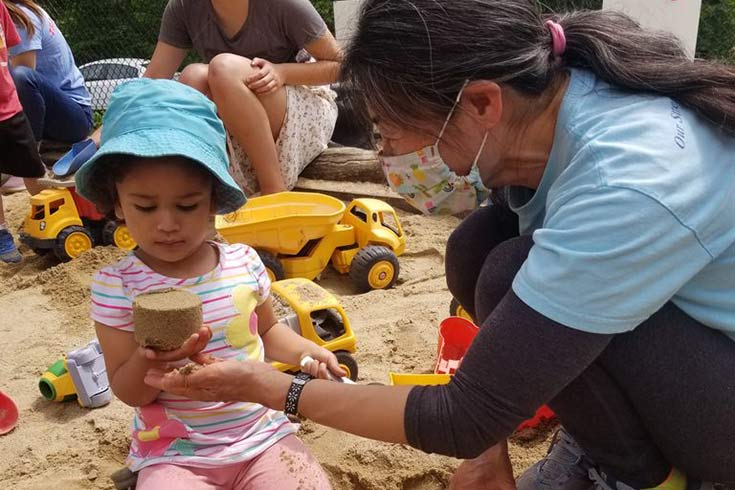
(50, 86)
(277, 111)
(18, 150)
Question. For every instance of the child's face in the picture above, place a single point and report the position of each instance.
(167, 206)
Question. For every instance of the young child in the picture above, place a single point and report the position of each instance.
(18, 151)
(162, 168)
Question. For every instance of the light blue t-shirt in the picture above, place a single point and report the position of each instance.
(636, 208)
(54, 59)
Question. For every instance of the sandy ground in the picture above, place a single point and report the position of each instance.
(43, 313)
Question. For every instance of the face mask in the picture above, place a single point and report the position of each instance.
(424, 180)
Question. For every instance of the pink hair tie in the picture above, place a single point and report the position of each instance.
(559, 40)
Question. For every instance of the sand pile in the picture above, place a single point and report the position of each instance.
(44, 313)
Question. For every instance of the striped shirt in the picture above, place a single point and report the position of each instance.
(176, 429)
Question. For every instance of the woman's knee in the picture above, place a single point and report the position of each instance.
(227, 69)
(497, 273)
(196, 75)
(469, 246)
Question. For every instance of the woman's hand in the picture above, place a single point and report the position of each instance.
(267, 79)
(192, 347)
(491, 470)
(218, 380)
(323, 364)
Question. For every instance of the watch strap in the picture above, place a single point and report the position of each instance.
(294, 393)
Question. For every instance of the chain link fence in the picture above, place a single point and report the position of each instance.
(112, 40)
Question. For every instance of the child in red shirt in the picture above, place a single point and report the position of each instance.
(18, 150)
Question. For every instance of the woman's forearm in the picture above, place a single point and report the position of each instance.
(317, 73)
(375, 412)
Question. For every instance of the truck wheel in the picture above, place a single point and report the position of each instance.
(455, 309)
(374, 267)
(71, 242)
(348, 363)
(117, 234)
(272, 265)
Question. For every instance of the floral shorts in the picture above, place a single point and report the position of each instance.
(311, 113)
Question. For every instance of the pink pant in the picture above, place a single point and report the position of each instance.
(287, 465)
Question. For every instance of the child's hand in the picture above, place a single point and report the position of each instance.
(267, 79)
(192, 347)
(323, 365)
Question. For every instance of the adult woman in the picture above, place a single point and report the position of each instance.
(50, 86)
(279, 121)
(607, 288)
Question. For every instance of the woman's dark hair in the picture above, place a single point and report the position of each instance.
(409, 58)
(112, 169)
(19, 17)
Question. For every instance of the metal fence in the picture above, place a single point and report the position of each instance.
(112, 40)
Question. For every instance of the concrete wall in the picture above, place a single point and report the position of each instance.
(345, 18)
(680, 17)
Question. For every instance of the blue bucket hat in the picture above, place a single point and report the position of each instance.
(156, 118)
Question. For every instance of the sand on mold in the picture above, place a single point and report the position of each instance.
(44, 309)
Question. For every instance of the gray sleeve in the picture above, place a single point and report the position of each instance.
(173, 25)
(519, 361)
(300, 22)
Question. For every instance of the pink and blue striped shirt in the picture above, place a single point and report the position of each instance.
(201, 434)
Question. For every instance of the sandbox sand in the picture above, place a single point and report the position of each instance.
(44, 313)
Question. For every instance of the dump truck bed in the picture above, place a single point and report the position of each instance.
(282, 222)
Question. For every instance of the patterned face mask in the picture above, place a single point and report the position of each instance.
(424, 180)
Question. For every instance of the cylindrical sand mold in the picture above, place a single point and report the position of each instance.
(164, 319)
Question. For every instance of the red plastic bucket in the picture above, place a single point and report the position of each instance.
(455, 337)
(8, 414)
(542, 414)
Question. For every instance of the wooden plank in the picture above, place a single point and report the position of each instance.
(347, 191)
(344, 163)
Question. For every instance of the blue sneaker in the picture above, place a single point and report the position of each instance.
(565, 467)
(8, 252)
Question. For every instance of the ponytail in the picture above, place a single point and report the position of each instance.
(617, 50)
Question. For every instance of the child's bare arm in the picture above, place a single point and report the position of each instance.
(284, 345)
(127, 362)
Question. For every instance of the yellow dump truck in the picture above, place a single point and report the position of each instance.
(297, 234)
(64, 222)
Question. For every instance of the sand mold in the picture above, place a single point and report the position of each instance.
(164, 319)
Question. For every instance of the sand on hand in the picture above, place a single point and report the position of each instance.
(164, 319)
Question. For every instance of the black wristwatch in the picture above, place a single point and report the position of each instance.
(294, 393)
